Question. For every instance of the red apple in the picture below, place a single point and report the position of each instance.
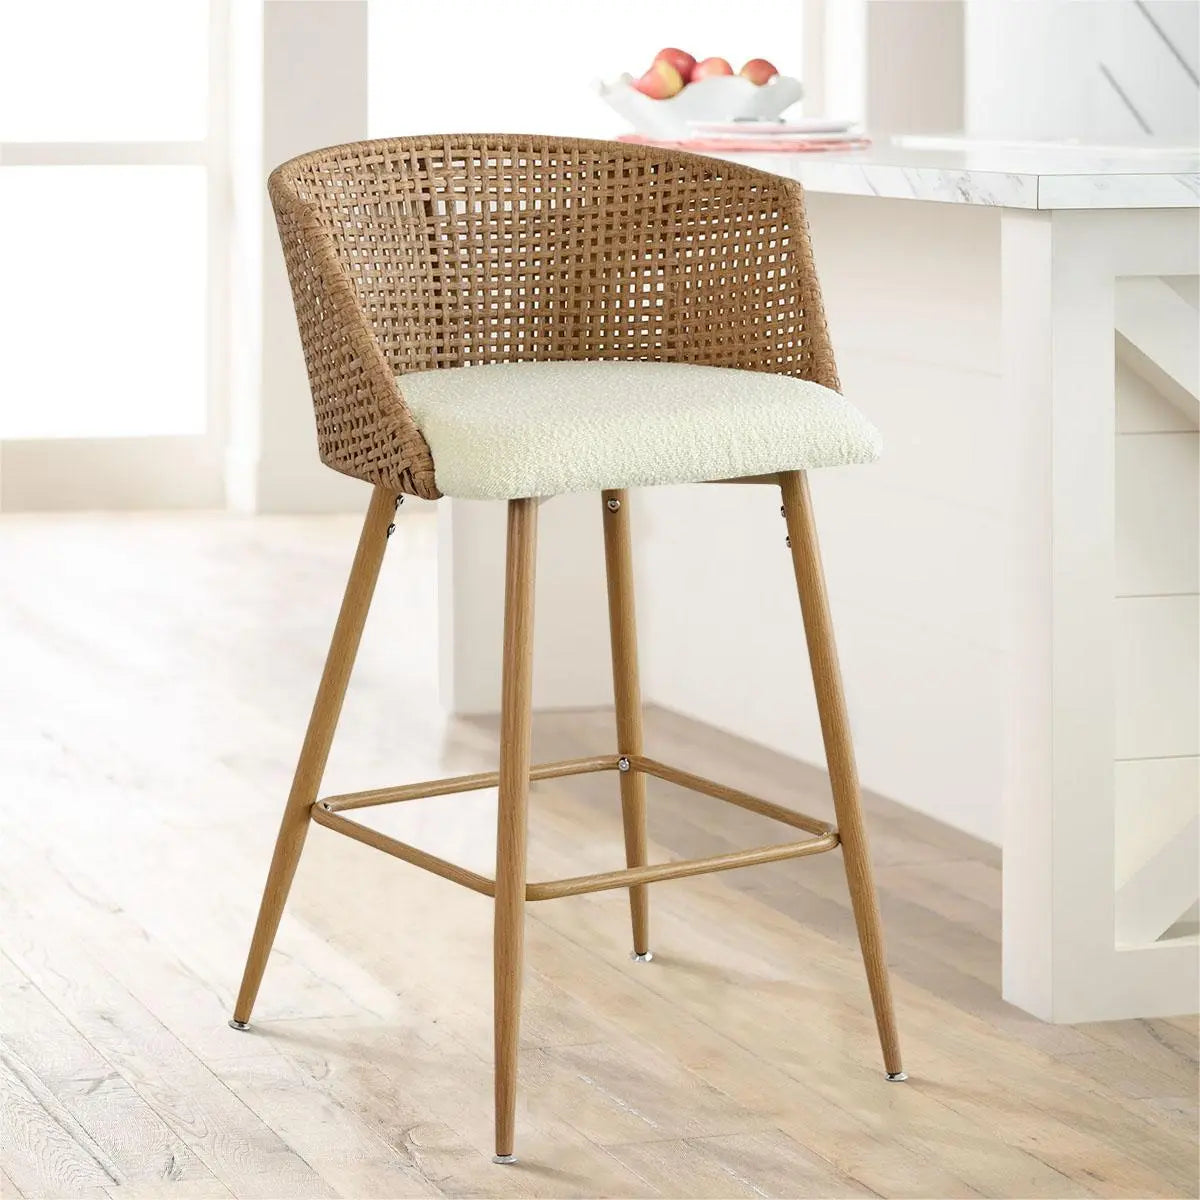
(661, 82)
(681, 60)
(708, 68)
(758, 70)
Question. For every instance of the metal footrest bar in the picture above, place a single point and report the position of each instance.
(327, 812)
(629, 876)
(464, 783)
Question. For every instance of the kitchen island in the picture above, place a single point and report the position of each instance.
(1020, 175)
(1015, 584)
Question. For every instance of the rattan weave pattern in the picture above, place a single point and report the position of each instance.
(408, 254)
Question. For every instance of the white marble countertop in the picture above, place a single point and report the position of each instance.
(1008, 175)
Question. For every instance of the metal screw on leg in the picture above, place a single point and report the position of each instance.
(788, 542)
(614, 505)
(239, 1025)
(622, 764)
(392, 527)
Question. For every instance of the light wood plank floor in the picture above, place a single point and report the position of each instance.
(156, 676)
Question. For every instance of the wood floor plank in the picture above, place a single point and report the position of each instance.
(166, 666)
(348, 1156)
(845, 1113)
(627, 1091)
(135, 1145)
(45, 1153)
(217, 1129)
(9, 1189)
(1113, 1067)
(337, 1169)
(1160, 1098)
(184, 1189)
(763, 1163)
(1189, 1024)
(381, 1076)
(427, 1100)
(1032, 1099)
(1163, 1046)
(1121, 1120)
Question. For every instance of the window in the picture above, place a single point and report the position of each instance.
(110, 169)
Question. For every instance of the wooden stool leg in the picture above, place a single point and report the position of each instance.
(839, 752)
(315, 752)
(515, 707)
(618, 562)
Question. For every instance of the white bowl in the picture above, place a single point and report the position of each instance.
(718, 98)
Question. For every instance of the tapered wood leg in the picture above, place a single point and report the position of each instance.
(839, 752)
(618, 562)
(515, 705)
(315, 752)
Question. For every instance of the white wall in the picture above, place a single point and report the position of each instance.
(914, 545)
(1088, 70)
(1057, 69)
(304, 41)
(914, 65)
(529, 66)
(278, 50)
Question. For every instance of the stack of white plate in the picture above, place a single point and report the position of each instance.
(810, 128)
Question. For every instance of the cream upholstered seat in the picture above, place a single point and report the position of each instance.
(508, 430)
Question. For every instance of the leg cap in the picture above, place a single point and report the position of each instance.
(234, 1023)
(897, 1076)
(504, 1159)
(647, 957)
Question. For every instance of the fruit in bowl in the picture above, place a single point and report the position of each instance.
(758, 70)
(709, 68)
(661, 82)
(681, 60)
(678, 91)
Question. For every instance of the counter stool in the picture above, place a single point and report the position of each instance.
(512, 318)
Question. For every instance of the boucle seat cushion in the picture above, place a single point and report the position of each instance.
(508, 430)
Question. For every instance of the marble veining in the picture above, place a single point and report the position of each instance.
(1025, 176)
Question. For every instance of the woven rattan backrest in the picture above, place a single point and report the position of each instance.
(414, 253)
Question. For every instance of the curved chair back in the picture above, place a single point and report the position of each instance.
(409, 254)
